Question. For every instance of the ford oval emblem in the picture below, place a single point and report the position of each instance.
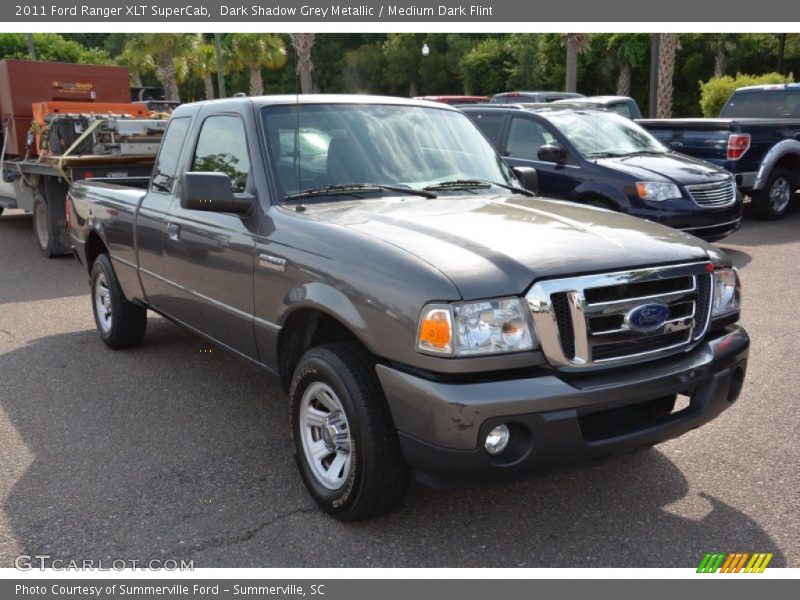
(647, 317)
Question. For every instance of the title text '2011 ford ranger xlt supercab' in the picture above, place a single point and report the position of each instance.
(424, 313)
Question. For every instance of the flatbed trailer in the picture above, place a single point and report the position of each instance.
(39, 186)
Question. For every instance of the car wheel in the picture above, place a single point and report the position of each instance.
(773, 201)
(121, 323)
(42, 227)
(345, 442)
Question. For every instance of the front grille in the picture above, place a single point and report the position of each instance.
(585, 322)
(713, 195)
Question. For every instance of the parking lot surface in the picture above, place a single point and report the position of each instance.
(172, 451)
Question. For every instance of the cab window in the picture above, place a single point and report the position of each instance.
(222, 148)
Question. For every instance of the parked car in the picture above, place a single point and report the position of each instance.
(756, 137)
(622, 105)
(519, 97)
(597, 157)
(455, 100)
(421, 310)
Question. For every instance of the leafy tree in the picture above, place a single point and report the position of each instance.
(629, 51)
(203, 64)
(169, 52)
(483, 68)
(51, 46)
(254, 51)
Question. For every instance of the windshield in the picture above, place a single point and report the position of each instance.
(766, 104)
(596, 134)
(316, 146)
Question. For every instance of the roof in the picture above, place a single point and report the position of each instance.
(318, 99)
(770, 87)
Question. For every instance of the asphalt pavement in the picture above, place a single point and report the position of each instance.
(169, 451)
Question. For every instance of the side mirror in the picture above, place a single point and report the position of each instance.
(212, 192)
(553, 154)
(528, 178)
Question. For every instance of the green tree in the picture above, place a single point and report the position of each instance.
(52, 47)
(254, 51)
(628, 51)
(169, 52)
(203, 64)
(484, 68)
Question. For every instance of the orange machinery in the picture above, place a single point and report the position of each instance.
(44, 111)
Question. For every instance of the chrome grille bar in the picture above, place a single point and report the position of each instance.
(714, 195)
(563, 316)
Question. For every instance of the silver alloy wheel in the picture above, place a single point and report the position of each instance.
(325, 435)
(102, 303)
(779, 194)
(42, 230)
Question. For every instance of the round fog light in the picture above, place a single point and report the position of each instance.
(497, 440)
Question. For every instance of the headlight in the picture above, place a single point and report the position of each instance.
(475, 328)
(726, 294)
(658, 192)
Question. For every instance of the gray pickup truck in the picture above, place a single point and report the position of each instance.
(423, 312)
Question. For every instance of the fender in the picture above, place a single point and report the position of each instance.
(593, 188)
(326, 298)
(315, 295)
(771, 158)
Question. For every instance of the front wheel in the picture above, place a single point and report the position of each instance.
(773, 201)
(121, 323)
(345, 442)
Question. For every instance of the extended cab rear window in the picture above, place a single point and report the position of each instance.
(167, 163)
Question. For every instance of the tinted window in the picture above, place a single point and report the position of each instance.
(222, 148)
(167, 163)
(599, 133)
(314, 146)
(525, 137)
(490, 125)
(767, 104)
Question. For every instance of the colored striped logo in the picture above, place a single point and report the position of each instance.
(735, 562)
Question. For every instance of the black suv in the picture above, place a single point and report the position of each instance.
(597, 157)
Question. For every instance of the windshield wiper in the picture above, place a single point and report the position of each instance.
(471, 184)
(353, 189)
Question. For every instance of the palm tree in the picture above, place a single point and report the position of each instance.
(252, 51)
(168, 52)
(666, 69)
(576, 43)
(302, 43)
(138, 64)
(203, 63)
(31, 45)
(628, 51)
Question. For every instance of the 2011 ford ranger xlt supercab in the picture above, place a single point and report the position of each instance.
(424, 313)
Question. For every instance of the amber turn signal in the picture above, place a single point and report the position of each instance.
(436, 331)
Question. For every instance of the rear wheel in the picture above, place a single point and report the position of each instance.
(121, 323)
(773, 201)
(50, 221)
(345, 442)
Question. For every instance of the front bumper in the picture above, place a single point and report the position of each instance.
(558, 419)
(710, 224)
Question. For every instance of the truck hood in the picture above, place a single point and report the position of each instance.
(495, 246)
(671, 167)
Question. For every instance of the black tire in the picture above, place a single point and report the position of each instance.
(773, 201)
(50, 222)
(378, 476)
(2, 208)
(126, 323)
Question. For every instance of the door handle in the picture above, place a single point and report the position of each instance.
(174, 231)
